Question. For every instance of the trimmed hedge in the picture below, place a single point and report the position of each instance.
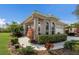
(52, 38)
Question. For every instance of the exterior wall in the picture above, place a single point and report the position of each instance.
(59, 29)
(42, 27)
(35, 24)
(72, 30)
(35, 19)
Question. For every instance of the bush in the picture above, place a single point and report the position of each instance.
(14, 41)
(72, 45)
(17, 30)
(76, 47)
(17, 46)
(43, 38)
(27, 51)
(52, 38)
(17, 34)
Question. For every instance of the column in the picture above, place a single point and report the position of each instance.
(24, 27)
(35, 27)
(44, 26)
(49, 27)
(41, 26)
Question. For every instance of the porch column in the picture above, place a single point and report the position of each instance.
(49, 27)
(35, 27)
(42, 27)
(24, 27)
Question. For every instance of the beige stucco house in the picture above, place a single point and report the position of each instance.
(43, 24)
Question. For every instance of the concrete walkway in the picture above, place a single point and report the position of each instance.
(72, 38)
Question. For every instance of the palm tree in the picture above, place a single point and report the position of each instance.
(76, 12)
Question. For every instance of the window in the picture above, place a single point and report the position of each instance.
(53, 28)
(47, 28)
(47, 33)
(39, 27)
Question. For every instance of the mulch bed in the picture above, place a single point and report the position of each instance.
(63, 52)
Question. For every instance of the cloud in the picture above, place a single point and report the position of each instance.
(69, 21)
(2, 22)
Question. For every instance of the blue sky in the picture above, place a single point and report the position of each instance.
(19, 12)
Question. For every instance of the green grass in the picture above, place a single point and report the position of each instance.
(4, 38)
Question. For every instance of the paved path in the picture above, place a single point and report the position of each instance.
(72, 38)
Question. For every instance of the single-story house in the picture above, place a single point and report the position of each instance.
(72, 29)
(43, 24)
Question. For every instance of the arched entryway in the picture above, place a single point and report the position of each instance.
(30, 32)
(53, 28)
(47, 28)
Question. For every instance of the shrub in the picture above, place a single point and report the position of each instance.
(68, 44)
(17, 34)
(17, 31)
(27, 51)
(14, 41)
(76, 47)
(43, 38)
(17, 46)
(72, 45)
(52, 38)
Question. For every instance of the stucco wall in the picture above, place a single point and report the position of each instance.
(59, 29)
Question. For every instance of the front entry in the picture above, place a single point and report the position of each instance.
(30, 33)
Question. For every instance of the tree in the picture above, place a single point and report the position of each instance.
(76, 12)
(16, 29)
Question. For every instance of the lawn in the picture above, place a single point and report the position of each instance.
(4, 38)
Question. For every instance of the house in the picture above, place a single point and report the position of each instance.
(72, 29)
(43, 24)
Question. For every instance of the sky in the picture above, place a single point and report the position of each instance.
(20, 12)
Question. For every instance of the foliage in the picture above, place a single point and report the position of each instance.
(16, 29)
(72, 45)
(27, 51)
(52, 38)
(76, 12)
(68, 44)
(14, 41)
(17, 46)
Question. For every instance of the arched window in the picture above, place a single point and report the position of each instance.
(47, 26)
(53, 28)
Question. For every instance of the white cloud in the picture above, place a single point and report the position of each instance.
(2, 23)
(69, 21)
